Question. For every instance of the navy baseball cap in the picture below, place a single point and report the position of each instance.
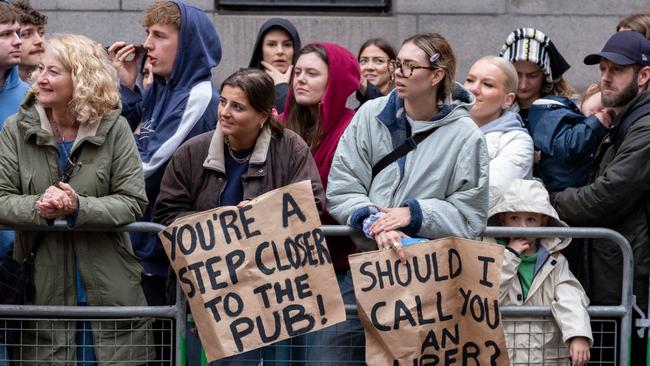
(624, 48)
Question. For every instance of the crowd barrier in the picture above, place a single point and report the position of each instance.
(612, 325)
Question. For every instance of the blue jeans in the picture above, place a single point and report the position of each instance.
(343, 343)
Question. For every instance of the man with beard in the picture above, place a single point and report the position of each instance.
(617, 196)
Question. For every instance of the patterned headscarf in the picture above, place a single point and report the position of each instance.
(530, 44)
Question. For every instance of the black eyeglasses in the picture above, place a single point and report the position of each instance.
(406, 68)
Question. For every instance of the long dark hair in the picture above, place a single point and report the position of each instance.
(299, 118)
(260, 91)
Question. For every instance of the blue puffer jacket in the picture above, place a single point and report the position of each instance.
(567, 140)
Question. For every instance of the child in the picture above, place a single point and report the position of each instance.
(590, 102)
(536, 273)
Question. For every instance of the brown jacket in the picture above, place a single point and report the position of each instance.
(196, 174)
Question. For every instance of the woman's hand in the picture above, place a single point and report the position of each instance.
(579, 348)
(127, 71)
(57, 202)
(276, 75)
(392, 240)
(243, 203)
(393, 219)
(70, 209)
(52, 203)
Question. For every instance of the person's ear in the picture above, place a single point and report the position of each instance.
(438, 75)
(643, 78)
(508, 101)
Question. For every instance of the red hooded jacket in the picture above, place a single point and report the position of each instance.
(343, 81)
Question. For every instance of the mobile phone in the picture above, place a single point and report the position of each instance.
(139, 50)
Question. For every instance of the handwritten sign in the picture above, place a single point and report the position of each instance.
(438, 308)
(258, 274)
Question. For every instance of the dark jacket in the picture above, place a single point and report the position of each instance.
(281, 90)
(372, 92)
(567, 140)
(196, 175)
(172, 111)
(616, 198)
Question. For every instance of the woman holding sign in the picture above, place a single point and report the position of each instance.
(248, 154)
(411, 164)
(69, 155)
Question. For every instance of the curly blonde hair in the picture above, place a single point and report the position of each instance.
(95, 85)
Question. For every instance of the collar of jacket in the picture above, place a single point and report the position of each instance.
(216, 160)
(35, 123)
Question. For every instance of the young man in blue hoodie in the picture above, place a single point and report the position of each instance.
(182, 47)
(12, 89)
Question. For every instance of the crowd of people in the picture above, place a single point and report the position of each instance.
(106, 136)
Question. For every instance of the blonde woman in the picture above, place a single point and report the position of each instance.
(493, 81)
(69, 129)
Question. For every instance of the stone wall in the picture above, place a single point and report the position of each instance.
(473, 27)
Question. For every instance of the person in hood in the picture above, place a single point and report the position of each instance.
(275, 47)
(493, 81)
(536, 273)
(182, 48)
(438, 189)
(325, 75)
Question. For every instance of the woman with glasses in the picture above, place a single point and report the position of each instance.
(67, 154)
(436, 185)
(249, 153)
(376, 81)
(493, 81)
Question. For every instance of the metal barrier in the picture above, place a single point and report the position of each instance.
(623, 311)
(62, 320)
(602, 328)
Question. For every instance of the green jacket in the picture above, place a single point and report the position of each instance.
(110, 185)
(616, 198)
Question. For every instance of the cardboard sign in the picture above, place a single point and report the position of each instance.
(258, 274)
(439, 308)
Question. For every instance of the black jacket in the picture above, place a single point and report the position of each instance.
(616, 198)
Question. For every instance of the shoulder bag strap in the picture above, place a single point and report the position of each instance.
(410, 144)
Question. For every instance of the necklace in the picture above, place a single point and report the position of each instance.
(61, 137)
(236, 159)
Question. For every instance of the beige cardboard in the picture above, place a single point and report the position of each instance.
(431, 311)
(255, 256)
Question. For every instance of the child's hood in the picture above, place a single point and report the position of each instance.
(530, 196)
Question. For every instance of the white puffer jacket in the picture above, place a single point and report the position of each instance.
(511, 153)
(535, 341)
